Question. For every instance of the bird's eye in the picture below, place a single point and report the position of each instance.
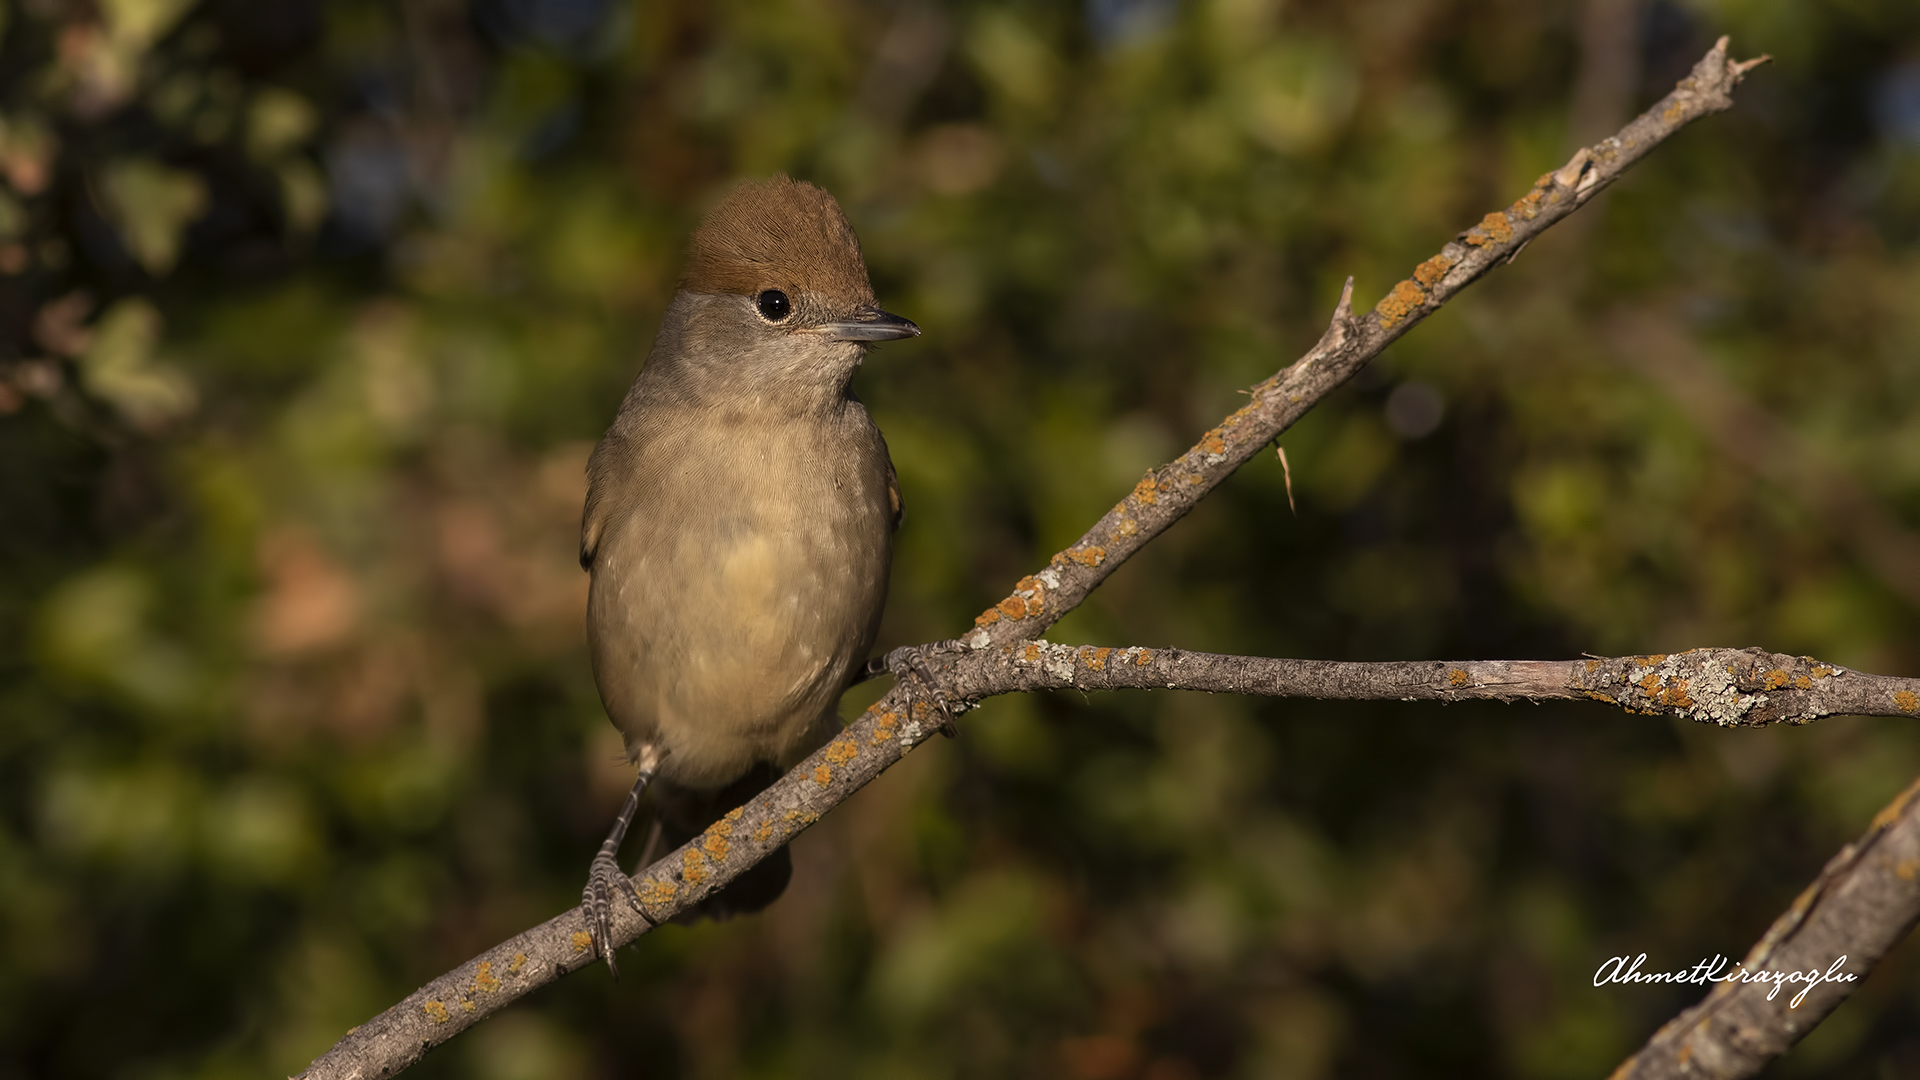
(773, 305)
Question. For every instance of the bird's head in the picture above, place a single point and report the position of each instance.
(776, 291)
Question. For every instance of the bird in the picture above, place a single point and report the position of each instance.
(738, 527)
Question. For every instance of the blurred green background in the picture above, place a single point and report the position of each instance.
(310, 313)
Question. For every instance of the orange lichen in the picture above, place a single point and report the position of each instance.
(1088, 556)
(1905, 869)
(436, 1012)
(715, 846)
(1127, 527)
(987, 617)
(1598, 696)
(519, 961)
(1496, 226)
(581, 940)
(466, 1006)
(823, 776)
(1146, 490)
(842, 751)
(1593, 666)
(1212, 443)
(1036, 603)
(1457, 678)
(1013, 607)
(763, 832)
(884, 727)
(1649, 661)
(693, 866)
(661, 892)
(1143, 658)
(1801, 682)
(1774, 680)
(1906, 701)
(1650, 685)
(1097, 659)
(1528, 205)
(484, 980)
(1432, 270)
(1675, 695)
(1398, 304)
(1031, 654)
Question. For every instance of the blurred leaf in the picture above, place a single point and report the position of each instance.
(140, 23)
(94, 628)
(119, 366)
(152, 205)
(278, 121)
(303, 196)
(26, 152)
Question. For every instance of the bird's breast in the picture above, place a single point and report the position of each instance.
(735, 591)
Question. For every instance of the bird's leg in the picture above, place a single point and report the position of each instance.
(605, 878)
(911, 672)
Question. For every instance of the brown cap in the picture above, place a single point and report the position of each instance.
(778, 233)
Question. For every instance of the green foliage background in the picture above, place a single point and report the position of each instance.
(309, 314)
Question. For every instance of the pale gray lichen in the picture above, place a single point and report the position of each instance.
(1055, 660)
(1716, 698)
(1058, 661)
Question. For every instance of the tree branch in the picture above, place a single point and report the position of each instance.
(1726, 687)
(1860, 906)
(460, 998)
(1166, 494)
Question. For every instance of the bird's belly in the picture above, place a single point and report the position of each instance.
(728, 641)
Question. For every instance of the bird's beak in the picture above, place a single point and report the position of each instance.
(870, 324)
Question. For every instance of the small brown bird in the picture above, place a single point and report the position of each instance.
(739, 524)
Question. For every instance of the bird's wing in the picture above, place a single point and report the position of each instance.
(593, 518)
(893, 497)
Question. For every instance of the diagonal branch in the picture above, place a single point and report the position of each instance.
(460, 998)
(1166, 494)
(1862, 904)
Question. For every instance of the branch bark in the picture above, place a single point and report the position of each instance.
(460, 998)
(1859, 908)
(1724, 687)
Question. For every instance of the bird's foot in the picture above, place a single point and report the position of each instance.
(605, 880)
(912, 670)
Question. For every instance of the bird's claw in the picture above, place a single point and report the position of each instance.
(605, 880)
(909, 665)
